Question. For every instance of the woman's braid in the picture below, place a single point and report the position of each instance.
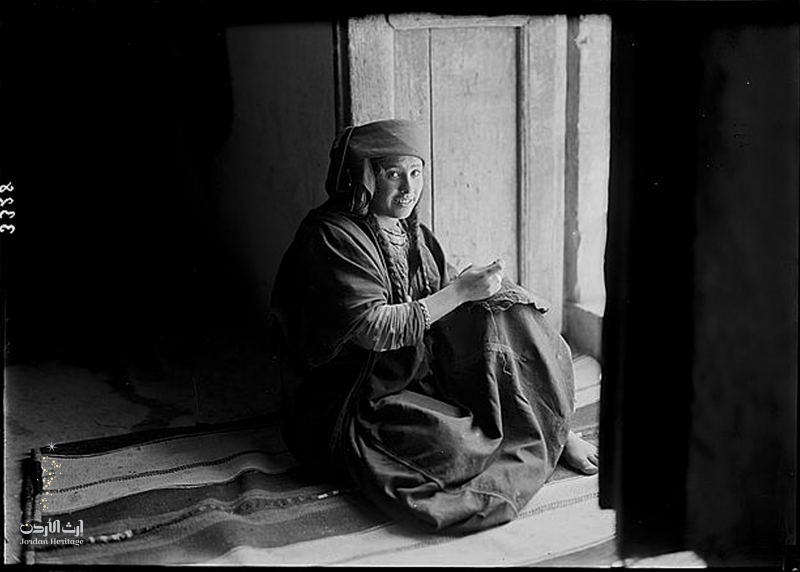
(417, 262)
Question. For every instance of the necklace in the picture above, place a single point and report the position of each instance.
(397, 240)
(398, 232)
(396, 237)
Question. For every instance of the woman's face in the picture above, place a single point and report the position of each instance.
(398, 187)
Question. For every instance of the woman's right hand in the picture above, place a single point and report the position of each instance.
(480, 283)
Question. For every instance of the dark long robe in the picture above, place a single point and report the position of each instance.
(457, 430)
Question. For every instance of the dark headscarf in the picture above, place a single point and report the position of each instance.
(350, 176)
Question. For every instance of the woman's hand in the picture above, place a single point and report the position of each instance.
(472, 284)
(479, 283)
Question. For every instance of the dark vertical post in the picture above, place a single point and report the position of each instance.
(341, 71)
(697, 419)
(648, 324)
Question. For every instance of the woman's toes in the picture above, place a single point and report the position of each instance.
(581, 455)
(587, 465)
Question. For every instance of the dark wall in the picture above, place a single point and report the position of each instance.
(109, 114)
(155, 156)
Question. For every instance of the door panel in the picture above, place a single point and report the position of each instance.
(412, 96)
(474, 119)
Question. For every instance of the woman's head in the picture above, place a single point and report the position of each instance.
(352, 176)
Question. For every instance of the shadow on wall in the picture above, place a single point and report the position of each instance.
(272, 169)
(161, 160)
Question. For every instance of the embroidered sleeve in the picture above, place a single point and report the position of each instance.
(391, 326)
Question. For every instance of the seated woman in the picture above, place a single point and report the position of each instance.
(446, 399)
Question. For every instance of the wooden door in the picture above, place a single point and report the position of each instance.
(491, 92)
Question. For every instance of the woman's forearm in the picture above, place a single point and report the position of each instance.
(444, 301)
(390, 326)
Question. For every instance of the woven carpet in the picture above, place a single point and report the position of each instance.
(231, 494)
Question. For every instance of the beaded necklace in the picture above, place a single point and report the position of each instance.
(396, 237)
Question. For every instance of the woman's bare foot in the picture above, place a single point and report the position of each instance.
(580, 455)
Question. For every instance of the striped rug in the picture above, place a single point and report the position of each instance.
(232, 495)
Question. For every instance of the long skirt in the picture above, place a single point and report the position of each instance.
(466, 447)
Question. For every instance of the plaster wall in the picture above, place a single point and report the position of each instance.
(271, 170)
